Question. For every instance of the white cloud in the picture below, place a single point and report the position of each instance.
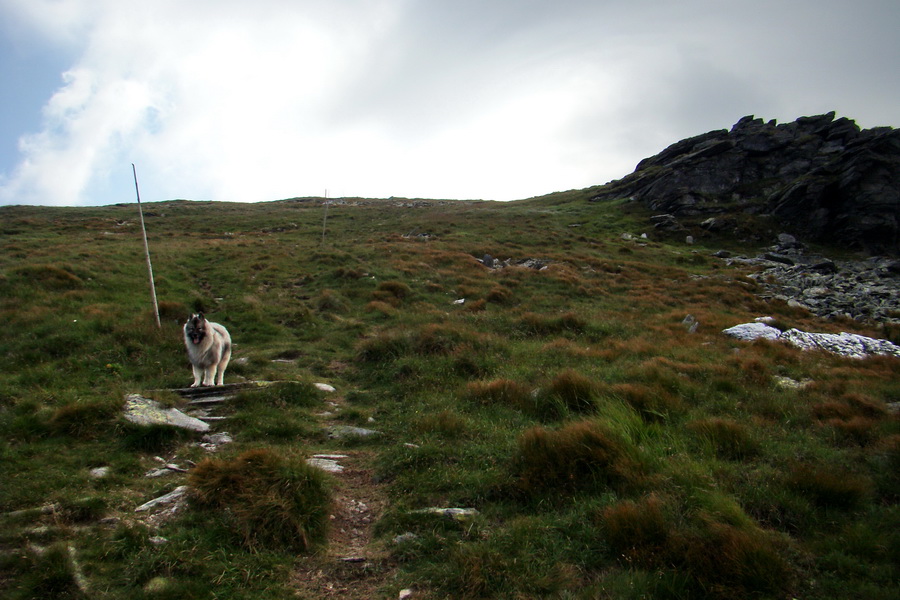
(247, 101)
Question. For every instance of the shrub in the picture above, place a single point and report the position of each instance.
(271, 502)
(578, 455)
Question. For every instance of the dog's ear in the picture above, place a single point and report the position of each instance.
(201, 316)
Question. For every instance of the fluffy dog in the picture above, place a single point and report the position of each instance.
(209, 349)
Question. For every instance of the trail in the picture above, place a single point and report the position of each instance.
(352, 565)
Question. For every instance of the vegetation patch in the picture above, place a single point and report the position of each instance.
(270, 501)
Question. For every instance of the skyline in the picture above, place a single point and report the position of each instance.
(497, 100)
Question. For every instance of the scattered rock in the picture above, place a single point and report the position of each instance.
(100, 472)
(146, 412)
(327, 462)
(752, 331)
(324, 387)
(348, 431)
(405, 537)
(691, 323)
(463, 515)
(405, 594)
(792, 384)
(176, 496)
(844, 344)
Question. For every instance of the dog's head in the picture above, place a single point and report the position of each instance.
(195, 328)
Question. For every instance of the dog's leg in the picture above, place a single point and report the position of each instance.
(223, 364)
(209, 375)
(198, 375)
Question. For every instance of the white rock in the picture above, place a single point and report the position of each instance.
(99, 472)
(173, 497)
(845, 344)
(144, 411)
(752, 331)
(326, 464)
(457, 514)
(324, 387)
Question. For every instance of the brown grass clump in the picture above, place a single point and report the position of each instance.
(575, 391)
(499, 295)
(498, 391)
(537, 324)
(377, 306)
(445, 423)
(51, 277)
(269, 501)
(729, 439)
(579, 455)
(392, 291)
(828, 487)
(652, 403)
(639, 532)
(722, 560)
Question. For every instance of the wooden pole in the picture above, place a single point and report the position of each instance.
(146, 248)
(325, 218)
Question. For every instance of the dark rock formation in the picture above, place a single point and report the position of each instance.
(820, 177)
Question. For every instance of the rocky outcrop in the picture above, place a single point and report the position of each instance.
(820, 177)
(851, 345)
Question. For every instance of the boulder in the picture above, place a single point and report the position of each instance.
(144, 411)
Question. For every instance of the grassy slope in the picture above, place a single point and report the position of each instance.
(609, 452)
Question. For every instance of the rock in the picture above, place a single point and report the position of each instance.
(778, 258)
(463, 515)
(405, 537)
(176, 496)
(488, 261)
(219, 439)
(157, 585)
(792, 384)
(100, 472)
(324, 387)
(405, 594)
(347, 431)
(844, 344)
(691, 323)
(752, 331)
(146, 412)
(327, 462)
(820, 177)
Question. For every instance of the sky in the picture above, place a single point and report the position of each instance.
(231, 100)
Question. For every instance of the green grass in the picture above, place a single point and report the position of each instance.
(609, 452)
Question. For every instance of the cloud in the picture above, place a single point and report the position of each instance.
(231, 100)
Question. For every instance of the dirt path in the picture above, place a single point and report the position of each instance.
(353, 565)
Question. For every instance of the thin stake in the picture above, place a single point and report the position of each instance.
(325, 218)
(146, 248)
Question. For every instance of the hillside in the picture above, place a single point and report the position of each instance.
(525, 361)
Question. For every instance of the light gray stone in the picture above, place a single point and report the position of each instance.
(345, 431)
(144, 411)
(752, 331)
(176, 496)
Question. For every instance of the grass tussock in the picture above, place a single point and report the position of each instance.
(270, 501)
(729, 439)
(829, 488)
(576, 456)
(717, 559)
(499, 391)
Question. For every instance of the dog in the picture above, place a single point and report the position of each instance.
(209, 350)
